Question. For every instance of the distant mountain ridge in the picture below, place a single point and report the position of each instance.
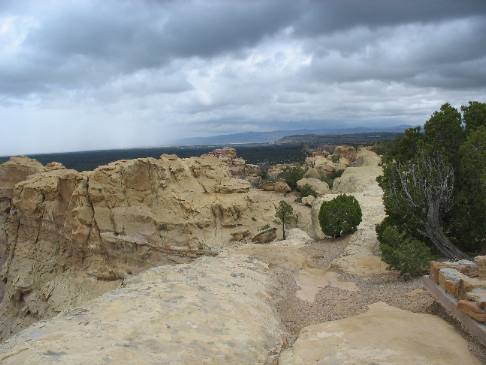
(275, 136)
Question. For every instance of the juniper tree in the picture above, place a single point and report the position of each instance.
(284, 212)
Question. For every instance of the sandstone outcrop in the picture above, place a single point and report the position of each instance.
(237, 165)
(308, 200)
(361, 177)
(265, 236)
(361, 256)
(324, 163)
(320, 187)
(212, 311)
(72, 235)
(382, 335)
(15, 170)
(282, 187)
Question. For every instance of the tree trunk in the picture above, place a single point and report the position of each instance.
(435, 233)
(283, 229)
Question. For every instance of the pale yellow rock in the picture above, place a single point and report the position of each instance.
(16, 169)
(308, 200)
(212, 311)
(120, 218)
(320, 187)
(360, 178)
(312, 280)
(384, 335)
(362, 255)
(281, 187)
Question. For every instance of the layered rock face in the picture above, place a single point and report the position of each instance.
(212, 311)
(12, 172)
(72, 236)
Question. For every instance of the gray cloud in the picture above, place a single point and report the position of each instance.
(218, 66)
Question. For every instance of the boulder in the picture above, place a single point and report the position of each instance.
(347, 152)
(282, 187)
(321, 164)
(265, 236)
(296, 234)
(320, 187)
(382, 335)
(252, 170)
(312, 173)
(308, 200)
(268, 186)
(54, 166)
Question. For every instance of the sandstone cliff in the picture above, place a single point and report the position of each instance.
(71, 236)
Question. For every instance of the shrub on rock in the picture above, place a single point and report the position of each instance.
(292, 175)
(307, 190)
(340, 216)
(409, 256)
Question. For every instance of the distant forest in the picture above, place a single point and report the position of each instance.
(285, 152)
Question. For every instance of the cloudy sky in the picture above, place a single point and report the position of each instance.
(93, 74)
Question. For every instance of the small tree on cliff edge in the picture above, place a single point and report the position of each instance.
(284, 212)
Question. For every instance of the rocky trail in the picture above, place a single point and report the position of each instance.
(305, 300)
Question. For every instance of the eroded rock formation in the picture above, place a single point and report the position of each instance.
(212, 311)
(72, 236)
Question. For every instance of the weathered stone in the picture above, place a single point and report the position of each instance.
(265, 236)
(472, 309)
(382, 335)
(360, 178)
(450, 281)
(481, 262)
(308, 200)
(312, 173)
(268, 186)
(72, 235)
(54, 166)
(212, 311)
(281, 187)
(233, 186)
(320, 187)
(477, 295)
(13, 171)
(468, 284)
(464, 266)
(240, 235)
(347, 152)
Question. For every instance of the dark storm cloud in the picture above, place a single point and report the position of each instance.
(219, 65)
(329, 16)
(83, 43)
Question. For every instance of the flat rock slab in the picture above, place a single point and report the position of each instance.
(311, 281)
(212, 311)
(382, 335)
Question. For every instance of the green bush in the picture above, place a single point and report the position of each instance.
(307, 190)
(292, 175)
(330, 177)
(340, 216)
(409, 256)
